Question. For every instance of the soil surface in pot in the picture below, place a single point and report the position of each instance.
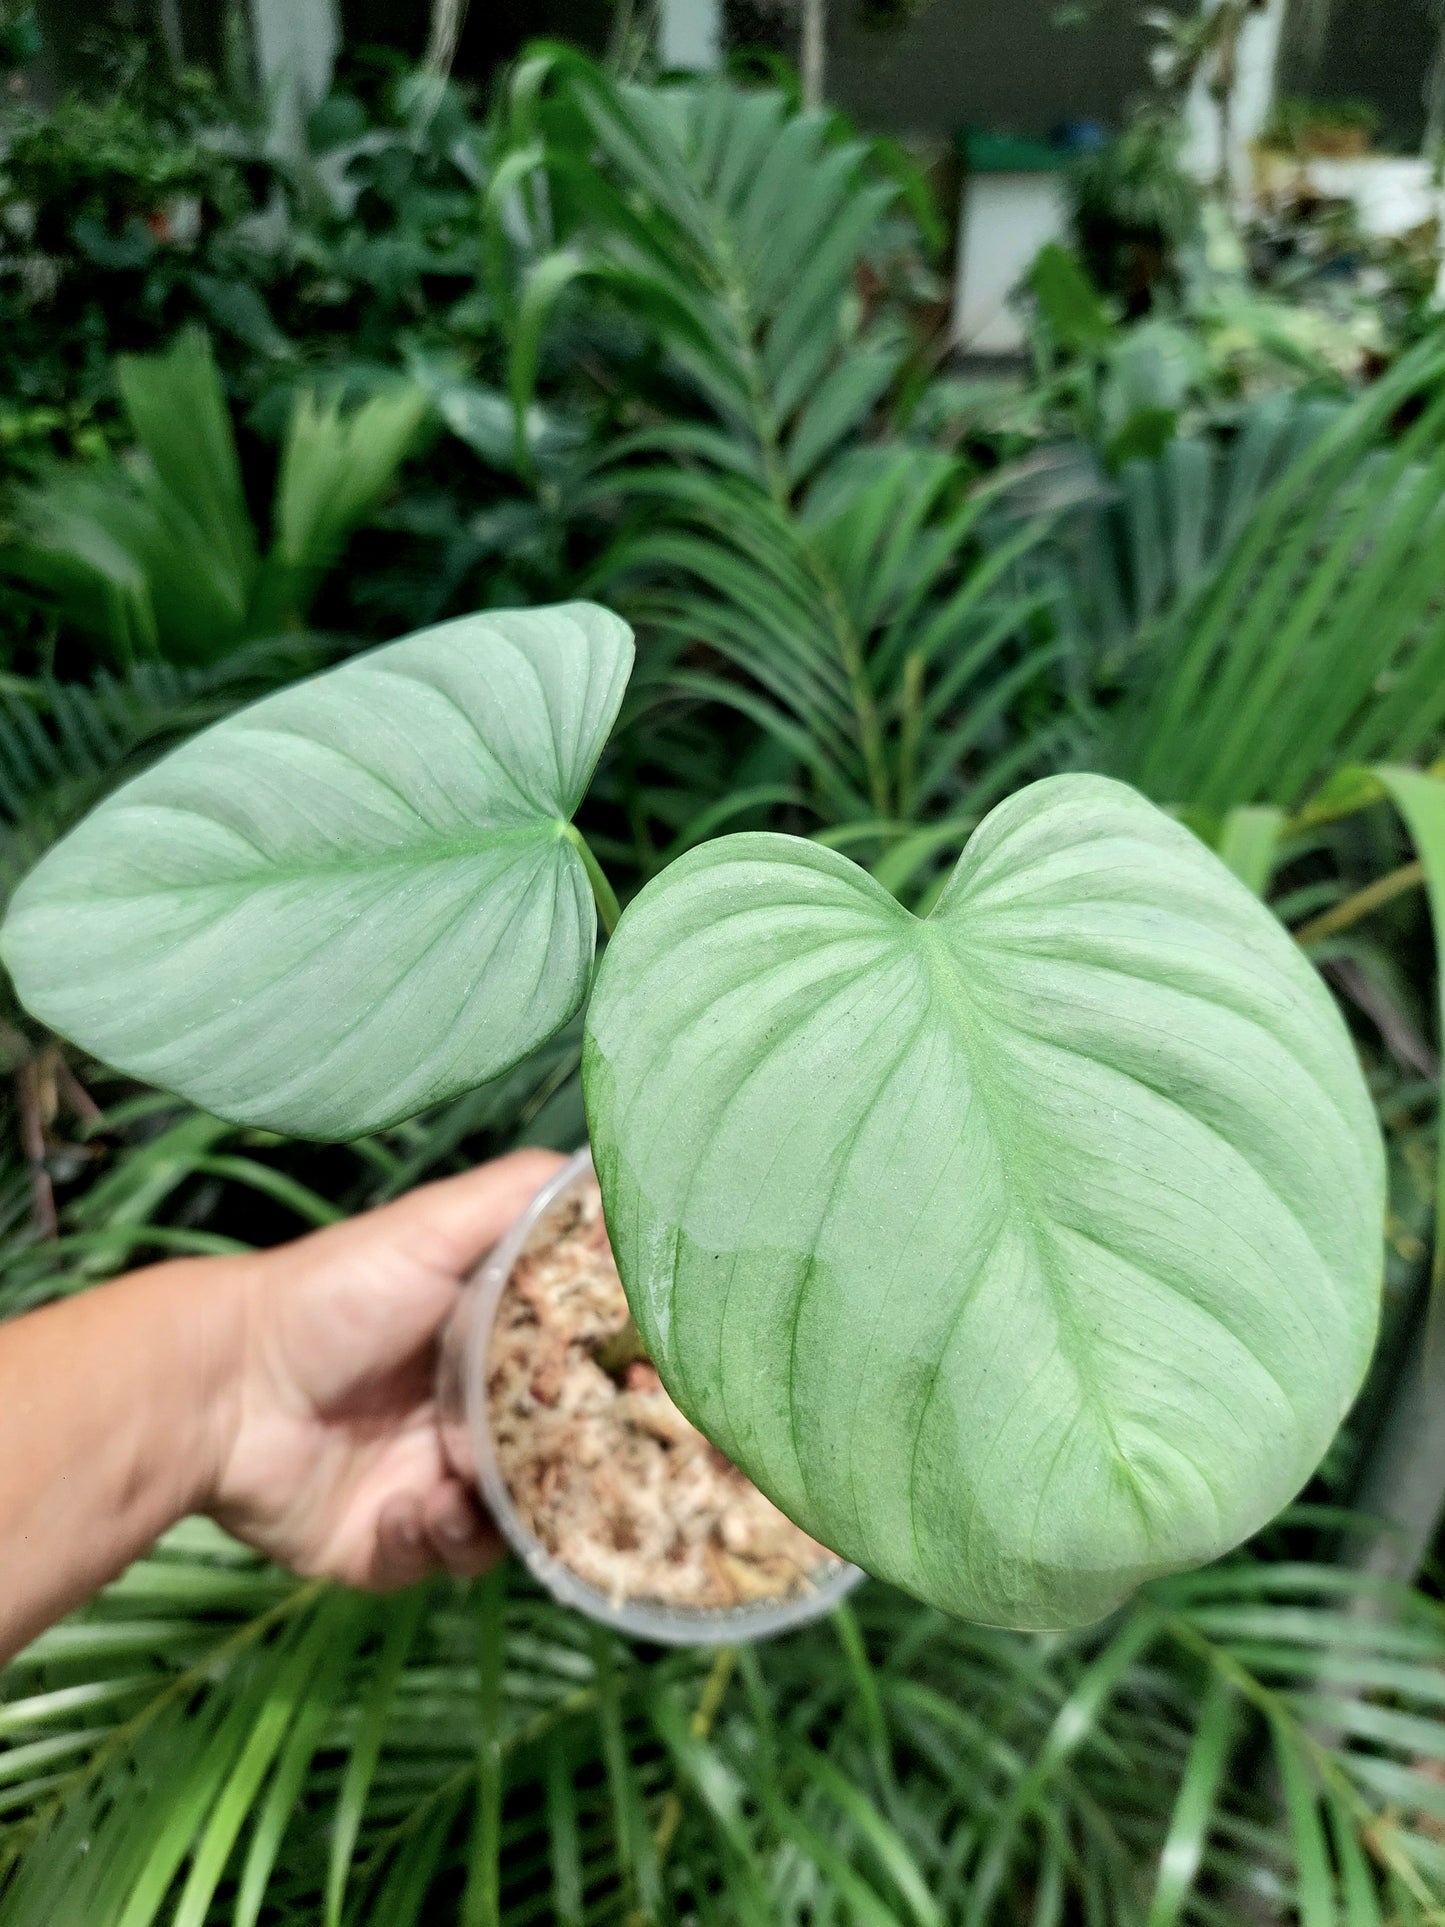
(601, 1465)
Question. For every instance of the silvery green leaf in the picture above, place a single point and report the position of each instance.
(1020, 1253)
(351, 900)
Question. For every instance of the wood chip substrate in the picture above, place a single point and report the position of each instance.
(602, 1466)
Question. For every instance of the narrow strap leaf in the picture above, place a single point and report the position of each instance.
(1194, 1805)
(287, 1691)
(1314, 1883)
(339, 1621)
(563, 1842)
(403, 1620)
(636, 1852)
(482, 1901)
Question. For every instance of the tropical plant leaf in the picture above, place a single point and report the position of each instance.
(1020, 1253)
(732, 224)
(1132, 548)
(159, 557)
(356, 898)
(177, 407)
(335, 468)
(64, 744)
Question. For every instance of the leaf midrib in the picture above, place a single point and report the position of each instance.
(441, 850)
(947, 977)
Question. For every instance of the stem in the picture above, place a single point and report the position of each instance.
(30, 1105)
(811, 52)
(1407, 877)
(909, 730)
(603, 894)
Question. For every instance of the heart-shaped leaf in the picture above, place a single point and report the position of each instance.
(350, 900)
(1020, 1253)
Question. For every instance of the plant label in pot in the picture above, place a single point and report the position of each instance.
(1019, 1253)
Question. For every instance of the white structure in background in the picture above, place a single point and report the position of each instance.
(689, 35)
(1391, 194)
(296, 43)
(1256, 60)
(1004, 219)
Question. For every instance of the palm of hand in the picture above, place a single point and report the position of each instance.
(336, 1464)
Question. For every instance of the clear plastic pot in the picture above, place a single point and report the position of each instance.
(466, 1429)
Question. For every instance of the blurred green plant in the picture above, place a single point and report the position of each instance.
(1328, 127)
(164, 203)
(158, 557)
(1134, 208)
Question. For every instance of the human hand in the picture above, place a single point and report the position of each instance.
(331, 1460)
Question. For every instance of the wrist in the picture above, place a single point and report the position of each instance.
(196, 1310)
(125, 1398)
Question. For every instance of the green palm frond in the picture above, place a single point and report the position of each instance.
(824, 585)
(734, 227)
(211, 1742)
(1130, 548)
(1317, 636)
(882, 653)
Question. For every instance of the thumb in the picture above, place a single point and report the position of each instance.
(448, 1226)
(360, 1300)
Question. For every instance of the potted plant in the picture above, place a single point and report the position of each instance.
(1322, 129)
(612, 1499)
(1019, 1252)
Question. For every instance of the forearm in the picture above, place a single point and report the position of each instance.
(114, 1406)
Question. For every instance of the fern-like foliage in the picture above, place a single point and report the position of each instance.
(787, 552)
(1315, 636)
(1128, 548)
(212, 1743)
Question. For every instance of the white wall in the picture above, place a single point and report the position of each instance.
(689, 35)
(1005, 220)
(1250, 108)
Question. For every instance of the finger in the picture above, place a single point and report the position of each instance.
(459, 1532)
(404, 1553)
(451, 1224)
(379, 1288)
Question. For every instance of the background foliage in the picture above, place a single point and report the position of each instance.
(676, 348)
